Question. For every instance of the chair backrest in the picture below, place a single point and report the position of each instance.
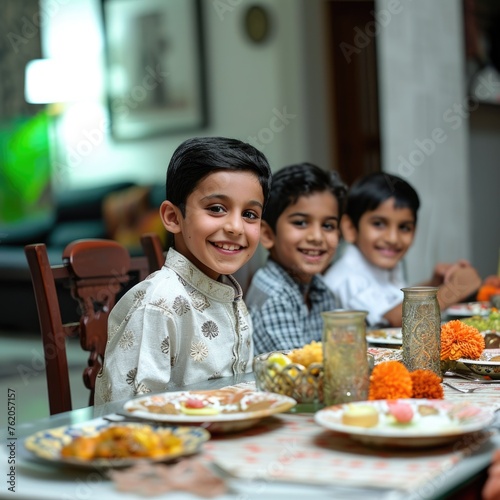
(153, 249)
(96, 272)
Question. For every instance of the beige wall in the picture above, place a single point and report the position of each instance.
(423, 123)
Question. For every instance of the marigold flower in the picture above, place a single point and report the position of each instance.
(486, 291)
(459, 340)
(390, 380)
(426, 384)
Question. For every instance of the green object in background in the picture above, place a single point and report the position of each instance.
(25, 168)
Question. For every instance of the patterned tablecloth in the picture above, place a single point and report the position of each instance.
(292, 447)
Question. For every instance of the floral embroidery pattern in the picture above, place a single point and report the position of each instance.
(242, 321)
(138, 297)
(141, 389)
(112, 332)
(127, 340)
(131, 376)
(200, 302)
(210, 329)
(173, 361)
(199, 351)
(181, 305)
(161, 304)
(165, 345)
(105, 393)
(215, 375)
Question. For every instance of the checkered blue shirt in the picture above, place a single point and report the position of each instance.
(281, 319)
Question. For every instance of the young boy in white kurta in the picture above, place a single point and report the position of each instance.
(187, 322)
(379, 223)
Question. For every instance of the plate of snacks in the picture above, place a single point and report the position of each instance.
(488, 365)
(405, 422)
(385, 336)
(489, 323)
(222, 410)
(106, 445)
(469, 309)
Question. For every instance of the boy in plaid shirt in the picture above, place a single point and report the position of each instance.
(300, 229)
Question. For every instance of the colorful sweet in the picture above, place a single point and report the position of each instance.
(360, 416)
(193, 406)
(402, 412)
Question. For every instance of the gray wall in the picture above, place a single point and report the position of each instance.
(484, 163)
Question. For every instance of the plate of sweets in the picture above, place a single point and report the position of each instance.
(469, 309)
(107, 445)
(405, 422)
(385, 336)
(222, 410)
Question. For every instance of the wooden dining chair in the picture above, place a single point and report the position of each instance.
(95, 273)
(153, 250)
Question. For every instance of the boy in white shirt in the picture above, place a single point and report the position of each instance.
(187, 322)
(379, 224)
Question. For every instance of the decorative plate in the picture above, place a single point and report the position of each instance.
(48, 444)
(381, 354)
(469, 309)
(222, 410)
(385, 336)
(434, 422)
(487, 365)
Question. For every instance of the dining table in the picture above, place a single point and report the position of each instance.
(287, 455)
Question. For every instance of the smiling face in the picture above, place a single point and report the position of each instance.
(307, 235)
(384, 235)
(221, 229)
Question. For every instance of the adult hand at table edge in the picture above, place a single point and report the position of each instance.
(491, 489)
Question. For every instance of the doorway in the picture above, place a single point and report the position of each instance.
(352, 56)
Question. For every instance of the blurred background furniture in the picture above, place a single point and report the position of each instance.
(121, 211)
(95, 273)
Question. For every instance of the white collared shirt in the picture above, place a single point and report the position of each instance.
(357, 284)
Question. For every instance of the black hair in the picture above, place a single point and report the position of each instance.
(369, 192)
(197, 157)
(302, 179)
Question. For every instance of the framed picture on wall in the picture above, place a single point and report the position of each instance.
(154, 67)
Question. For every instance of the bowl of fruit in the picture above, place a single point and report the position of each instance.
(296, 373)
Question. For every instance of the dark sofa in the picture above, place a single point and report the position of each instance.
(83, 213)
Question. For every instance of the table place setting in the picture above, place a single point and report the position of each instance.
(330, 416)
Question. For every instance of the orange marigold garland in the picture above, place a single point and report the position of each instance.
(426, 384)
(390, 380)
(459, 340)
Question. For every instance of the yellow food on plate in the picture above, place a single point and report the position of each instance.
(123, 442)
(310, 353)
(360, 416)
(208, 410)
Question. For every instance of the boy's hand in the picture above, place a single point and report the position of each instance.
(444, 270)
(460, 282)
(491, 489)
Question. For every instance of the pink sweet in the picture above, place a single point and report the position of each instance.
(402, 412)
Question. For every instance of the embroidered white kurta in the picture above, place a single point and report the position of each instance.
(175, 328)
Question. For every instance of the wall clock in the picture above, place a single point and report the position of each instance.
(257, 23)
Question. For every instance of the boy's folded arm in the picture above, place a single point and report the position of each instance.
(395, 315)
